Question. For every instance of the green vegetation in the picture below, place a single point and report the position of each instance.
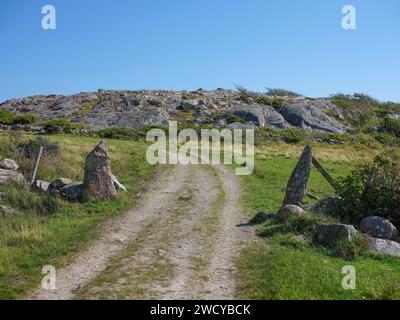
(381, 198)
(9, 118)
(252, 97)
(286, 263)
(86, 108)
(390, 126)
(282, 92)
(363, 111)
(49, 230)
(118, 133)
(62, 125)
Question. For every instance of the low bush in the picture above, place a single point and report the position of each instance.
(282, 93)
(381, 198)
(62, 126)
(118, 133)
(391, 126)
(30, 148)
(9, 118)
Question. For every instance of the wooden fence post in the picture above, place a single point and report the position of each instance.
(36, 167)
(324, 172)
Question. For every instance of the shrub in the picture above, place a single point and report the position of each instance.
(296, 135)
(252, 97)
(31, 148)
(62, 126)
(118, 133)
(382, 198)
(360, 109)
(391, 126)
(282, 93)
(9, 118)
(231, 118)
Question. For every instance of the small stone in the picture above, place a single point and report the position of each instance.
(288, 211)
(7, 176)
(40, 186)
(59, 183)
(72, 191)
(9, 164)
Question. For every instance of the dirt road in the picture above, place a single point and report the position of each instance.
(179, 242)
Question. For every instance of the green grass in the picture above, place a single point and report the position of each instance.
(279, 265)
(49, 233)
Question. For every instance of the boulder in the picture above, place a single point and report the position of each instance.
(98, 182)
(40, 186)
(220, 123)
(260, 217)
(331, 234)
(296, 188)
(72, 191)
(394, 116)
(188, 105)
(382, 246)
(9, 164)
(7, 176)
(59, 183)
(378, 227)
(307, 116)
(118, 185)
(262, 116)
(241, 126)
(288, 211)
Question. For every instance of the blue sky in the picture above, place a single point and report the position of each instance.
(187, 44)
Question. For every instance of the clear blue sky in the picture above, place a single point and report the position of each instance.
(187, 44)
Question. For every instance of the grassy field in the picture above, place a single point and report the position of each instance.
(282, 266)
(48, 231)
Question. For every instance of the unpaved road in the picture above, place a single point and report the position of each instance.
(179, 242)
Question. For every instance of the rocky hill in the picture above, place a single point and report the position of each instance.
(221, 108)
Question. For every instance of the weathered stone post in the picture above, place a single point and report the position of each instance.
(296, 188)
(98, 181)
